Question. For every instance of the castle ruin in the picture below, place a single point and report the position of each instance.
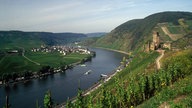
(155, 44)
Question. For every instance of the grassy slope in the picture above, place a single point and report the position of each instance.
(179, 94)
(55, 59)
(17, 63)
(16, 40)
(136, 68)
(129, 84)
(131, 36)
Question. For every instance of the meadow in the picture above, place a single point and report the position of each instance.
(16, 63)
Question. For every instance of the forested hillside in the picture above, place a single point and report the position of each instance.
(133, 34)
(9, 39)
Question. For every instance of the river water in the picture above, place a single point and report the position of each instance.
(61, 85)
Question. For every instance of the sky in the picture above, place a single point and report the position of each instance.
(80, 16)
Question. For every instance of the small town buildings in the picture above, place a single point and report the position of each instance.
(62, 50)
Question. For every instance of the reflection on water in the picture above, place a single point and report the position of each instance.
(27, 83)
(62, 85)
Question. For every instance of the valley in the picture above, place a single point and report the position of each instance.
(141, 63)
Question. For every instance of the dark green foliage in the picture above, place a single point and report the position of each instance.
(69, 104)
(89, 41)
(11, 39)
(48, 102)
(79, 100)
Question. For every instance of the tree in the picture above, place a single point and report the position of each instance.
(89, 102)
(63, 66)
(79, 101)
(48, 102)
(123, 62)
(69, 104)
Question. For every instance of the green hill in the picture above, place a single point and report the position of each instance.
(133, 34)
(17, 57)
(10, 39)
(141, 84)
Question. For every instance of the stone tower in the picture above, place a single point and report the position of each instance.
(156, 41)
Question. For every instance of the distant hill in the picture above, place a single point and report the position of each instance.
(97, 34)
(133, 34)
(9, 39)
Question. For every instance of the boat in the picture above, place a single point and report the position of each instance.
(83, 65)
(103, 75)
(88, 72)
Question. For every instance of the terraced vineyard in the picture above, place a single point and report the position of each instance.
(175, 32)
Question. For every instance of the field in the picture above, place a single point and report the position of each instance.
(16, 63)
(55, 59)
(176, 30)
(11, 63)
(189, 23)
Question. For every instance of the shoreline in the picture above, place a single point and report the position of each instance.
(69, 66)
(98, 84)
(123, 52)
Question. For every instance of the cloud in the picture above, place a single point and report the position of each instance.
(77, 15)
(65, 6)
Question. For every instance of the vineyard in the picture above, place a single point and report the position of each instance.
(141, 87)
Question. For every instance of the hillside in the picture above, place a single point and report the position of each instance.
(28, 53)
(132, 35)
(97, 34)
(9, 39)
(141, 85)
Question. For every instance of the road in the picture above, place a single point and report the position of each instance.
(159, 58)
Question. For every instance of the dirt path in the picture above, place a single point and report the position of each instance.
(159, 58)
(2, 59)
(23, 54)
(172, 36)
(31, 60)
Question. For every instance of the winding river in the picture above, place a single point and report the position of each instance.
(62, 85)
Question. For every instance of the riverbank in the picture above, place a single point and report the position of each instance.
(11, 80)
(102, 81)
(123, 52)
(63, 85)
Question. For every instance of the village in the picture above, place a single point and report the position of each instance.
(62, 49)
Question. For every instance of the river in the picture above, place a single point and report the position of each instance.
(62, 85)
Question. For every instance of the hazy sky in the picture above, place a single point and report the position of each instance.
(82, 16)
